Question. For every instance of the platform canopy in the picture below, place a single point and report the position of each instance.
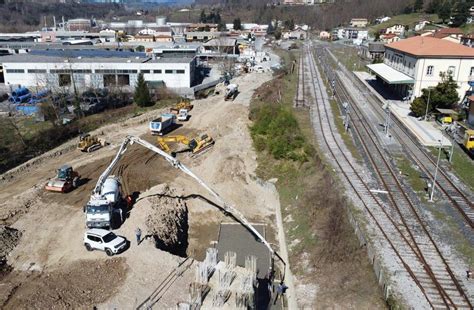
(390, 75)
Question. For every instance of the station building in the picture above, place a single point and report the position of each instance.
(97, 69)
(415, 63)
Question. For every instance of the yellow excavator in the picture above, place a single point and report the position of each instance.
(88, 143)
(182, 104)
(197, 145)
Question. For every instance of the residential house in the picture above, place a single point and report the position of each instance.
(468, 40)
(421, 25)
(372, 50)
(389, 38)
(297, 34)
(359, 22)
(356, 35)
(222, 45)
(416, 63)
(398, 29)
(201, 36)
(450, 34)
(324, 35)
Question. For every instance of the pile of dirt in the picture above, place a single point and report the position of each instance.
(80, 285)
(168, 222)
(9, 238)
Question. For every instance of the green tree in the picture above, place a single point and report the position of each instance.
(142, 94)
(444, 11)
(270, 28)
(140, 48)
(418, 106)
(203, 17)
(444, 96)
(221, 26)
(418, 5)
(237, 24)
(277, 34)
(461, 14)
(434, 6)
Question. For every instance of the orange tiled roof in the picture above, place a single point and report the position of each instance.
(429, 46)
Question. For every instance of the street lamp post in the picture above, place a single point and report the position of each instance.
(433, 184)
(452, 150)
(387, 120)
(428, 103)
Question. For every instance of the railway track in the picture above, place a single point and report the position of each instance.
(398, 222)
(460, 200)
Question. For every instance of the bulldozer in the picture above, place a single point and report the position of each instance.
(197, 145)
(182, 104)
(65, 181)
(88, 143)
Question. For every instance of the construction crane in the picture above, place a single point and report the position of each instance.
(196, 145)
(100, 195)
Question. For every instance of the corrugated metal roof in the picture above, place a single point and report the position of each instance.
(390, 75)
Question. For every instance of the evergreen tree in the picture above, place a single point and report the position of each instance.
(142, 93)
(461, 14)
(418, 5)
(270, 28)
(434, 6)
(203, 17)
(444, 11)
(237, 24)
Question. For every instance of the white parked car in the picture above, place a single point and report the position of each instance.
(259, 69)
(104, 240)
(183, 115)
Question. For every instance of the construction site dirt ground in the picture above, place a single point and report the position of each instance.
(50, 264)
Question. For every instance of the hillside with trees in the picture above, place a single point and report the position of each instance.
(17, 16)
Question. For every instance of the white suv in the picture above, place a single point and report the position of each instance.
(104, 240)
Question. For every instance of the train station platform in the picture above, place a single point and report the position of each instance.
(426, 132)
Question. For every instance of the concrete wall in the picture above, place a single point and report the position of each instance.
(91, 78)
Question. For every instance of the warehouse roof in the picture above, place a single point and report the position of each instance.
(29, 58)
(431, 47)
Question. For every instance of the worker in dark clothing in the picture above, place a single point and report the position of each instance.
(138, 233)
(281, 290)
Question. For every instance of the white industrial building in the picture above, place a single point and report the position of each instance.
(97, 70)
(413, 64)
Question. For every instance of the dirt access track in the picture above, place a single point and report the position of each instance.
(50, 256)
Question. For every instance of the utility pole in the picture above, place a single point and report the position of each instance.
(433, 184)
(428, 103)
(346, 107)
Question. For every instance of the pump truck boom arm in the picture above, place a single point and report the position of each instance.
(177, 164)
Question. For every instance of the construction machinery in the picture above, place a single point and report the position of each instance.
(88, 143)
(100, 198)
(197, 145)
(469, 140)
(183, 104)
(231, 92)
(65, 181)
(162, 124)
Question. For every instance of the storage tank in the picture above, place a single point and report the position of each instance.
(160, 20)
(111, 189)
(135, 23)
